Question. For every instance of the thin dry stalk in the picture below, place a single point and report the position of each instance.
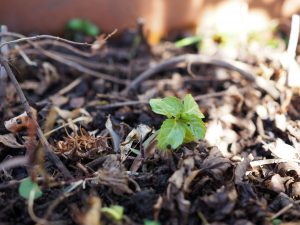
(3, 75)
(59, 58)
(239, 67)
(23, 38)
(292, 75)
(54, 158)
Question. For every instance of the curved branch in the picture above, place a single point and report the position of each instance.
(239, 67)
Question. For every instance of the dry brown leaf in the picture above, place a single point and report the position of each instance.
(66, 114)
(282, 150)
(113, 175)
(10, 140)
(149, 147)
(293, 128)
(216, 164)
(136, 135)
(289, 167)
(20, 122)
(30, 85)
(189, 180)
(220, 136)
(179, 176)
(220, 203)
(262, 112)
(241, 169)
(49, 77)
(77, 102)
(276, 183)
(58, 100)
(295, 190)
(114, 135)
(82, 145)
(280, 121)
(92, 216)
(291, 223)
(50, 120)
(294, 71)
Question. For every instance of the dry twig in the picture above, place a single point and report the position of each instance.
(14, 162)
(239, 67)
(284, 209)
(50, 43)
(122, 104)
(56, 161)
(3, 75)
(293, 78)
(23, 38)
(59, 58)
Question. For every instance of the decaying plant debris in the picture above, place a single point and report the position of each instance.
(97, 134)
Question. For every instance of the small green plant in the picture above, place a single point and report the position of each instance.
(116, 212)
(183, 124)
(187, 41)
(276, 222)
(84, 26)
(27, 186)
(151, 222)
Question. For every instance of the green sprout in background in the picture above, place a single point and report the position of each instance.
(76, 28)
(85, 26)
(183, 124)
(151, 222)
(187, 41)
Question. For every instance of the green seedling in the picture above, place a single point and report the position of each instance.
(151, 222)
(187, 41)
(27, 186)
(183, 124)
(84, 26)
(276, 222)
(116, 212)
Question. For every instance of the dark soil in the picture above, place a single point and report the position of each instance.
(209, 182)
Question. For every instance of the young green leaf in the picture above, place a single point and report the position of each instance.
(89, 28)
(27, 186)
(151, 222)
(85, 26)
(189, 136)
(168, 106)
(116, 212)
(171, 134)
(156, 106)
(75, 24)
(187, 41)
(276, 222)
(190, 107)
(196, 126)
(184, 123)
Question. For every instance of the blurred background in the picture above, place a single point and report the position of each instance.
(161, 17)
